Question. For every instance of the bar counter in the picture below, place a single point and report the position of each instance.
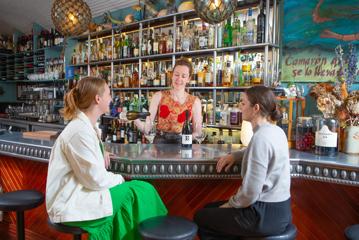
(324, 190)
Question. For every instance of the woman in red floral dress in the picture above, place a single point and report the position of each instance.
(169, 107)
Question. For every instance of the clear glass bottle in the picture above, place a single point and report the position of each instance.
(304, 138)
(326, 136)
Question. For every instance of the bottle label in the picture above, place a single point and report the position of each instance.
(208, 77)
(186, 139)
(114, 138)
(234, 118)
(186, 153)
(326, 138)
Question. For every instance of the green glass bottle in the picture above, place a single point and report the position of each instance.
(228, 29)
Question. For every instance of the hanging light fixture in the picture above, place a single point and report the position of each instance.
(214, 11)
(70, 17)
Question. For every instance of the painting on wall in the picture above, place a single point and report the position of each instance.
(312, 29)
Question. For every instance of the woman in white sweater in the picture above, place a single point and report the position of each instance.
(261, 206)
(79, 190)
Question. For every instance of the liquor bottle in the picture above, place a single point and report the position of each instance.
(135, 80)
(219, 73)
(220, 35)
(144, 45)
(150, 42)
(200, 74)
(133, 115)
(203, 37)
(187, 133)
(163, 80)
(194, 79)
(236, 33)
(155, 43)
(227, 40)
(136, 50)
(162, 47)
(211, 33)
(179, 39)
(131, 133)
(122, 131)
(208, 77)
(220, 138)
(229, 139)
(261, 24)
(257, 74)
(125, 47)
(227, 75)
(250, 27)
(113, 131)
(169, 43)
(143, 80)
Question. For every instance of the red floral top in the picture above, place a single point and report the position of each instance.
(172, 114)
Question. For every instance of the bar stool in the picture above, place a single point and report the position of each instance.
(290, 233)
(75, 231)
(167, 228)
(19, 201)
(352, 232)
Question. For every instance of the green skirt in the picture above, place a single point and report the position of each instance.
(132, 203)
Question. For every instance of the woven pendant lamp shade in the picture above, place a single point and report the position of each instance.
(214, 11)
(71, 17)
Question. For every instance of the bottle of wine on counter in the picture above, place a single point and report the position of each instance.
(133, 115)
(187, 133)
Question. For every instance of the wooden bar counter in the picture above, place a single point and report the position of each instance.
(324, 190)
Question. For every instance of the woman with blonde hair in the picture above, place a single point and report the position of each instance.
(79, 190)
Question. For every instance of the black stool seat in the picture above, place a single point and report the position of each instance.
(20, 200)
(66, 229)
(167, 228)
(75, 231)
(352, 232)
(289, 234)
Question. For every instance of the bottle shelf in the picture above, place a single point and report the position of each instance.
(233, 127)
(198, 52)
(159, 88)
(153, 22)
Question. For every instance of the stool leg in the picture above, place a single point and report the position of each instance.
(20, 226)
(77, 236)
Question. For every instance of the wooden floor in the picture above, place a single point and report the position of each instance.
(320, 210)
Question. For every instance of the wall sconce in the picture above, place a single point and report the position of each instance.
(214, 11)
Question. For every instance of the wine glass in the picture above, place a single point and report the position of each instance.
(200, 133)
(150, 131)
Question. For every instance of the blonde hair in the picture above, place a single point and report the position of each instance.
(82, 96)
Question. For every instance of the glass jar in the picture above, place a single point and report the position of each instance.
(326, 136)
(304, 138)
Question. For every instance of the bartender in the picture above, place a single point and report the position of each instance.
(169, 106)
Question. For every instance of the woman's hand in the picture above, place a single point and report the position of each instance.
(225, 162)
(107, 157)
(225, 205)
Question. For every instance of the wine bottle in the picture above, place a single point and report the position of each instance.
(187, 133)
(132, 134)
(261, 23)
(133, 115)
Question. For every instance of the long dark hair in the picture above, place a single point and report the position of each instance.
(266, 100)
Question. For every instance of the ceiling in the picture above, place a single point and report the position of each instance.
(19, 15)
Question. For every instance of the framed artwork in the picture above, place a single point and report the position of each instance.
(311, 31)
